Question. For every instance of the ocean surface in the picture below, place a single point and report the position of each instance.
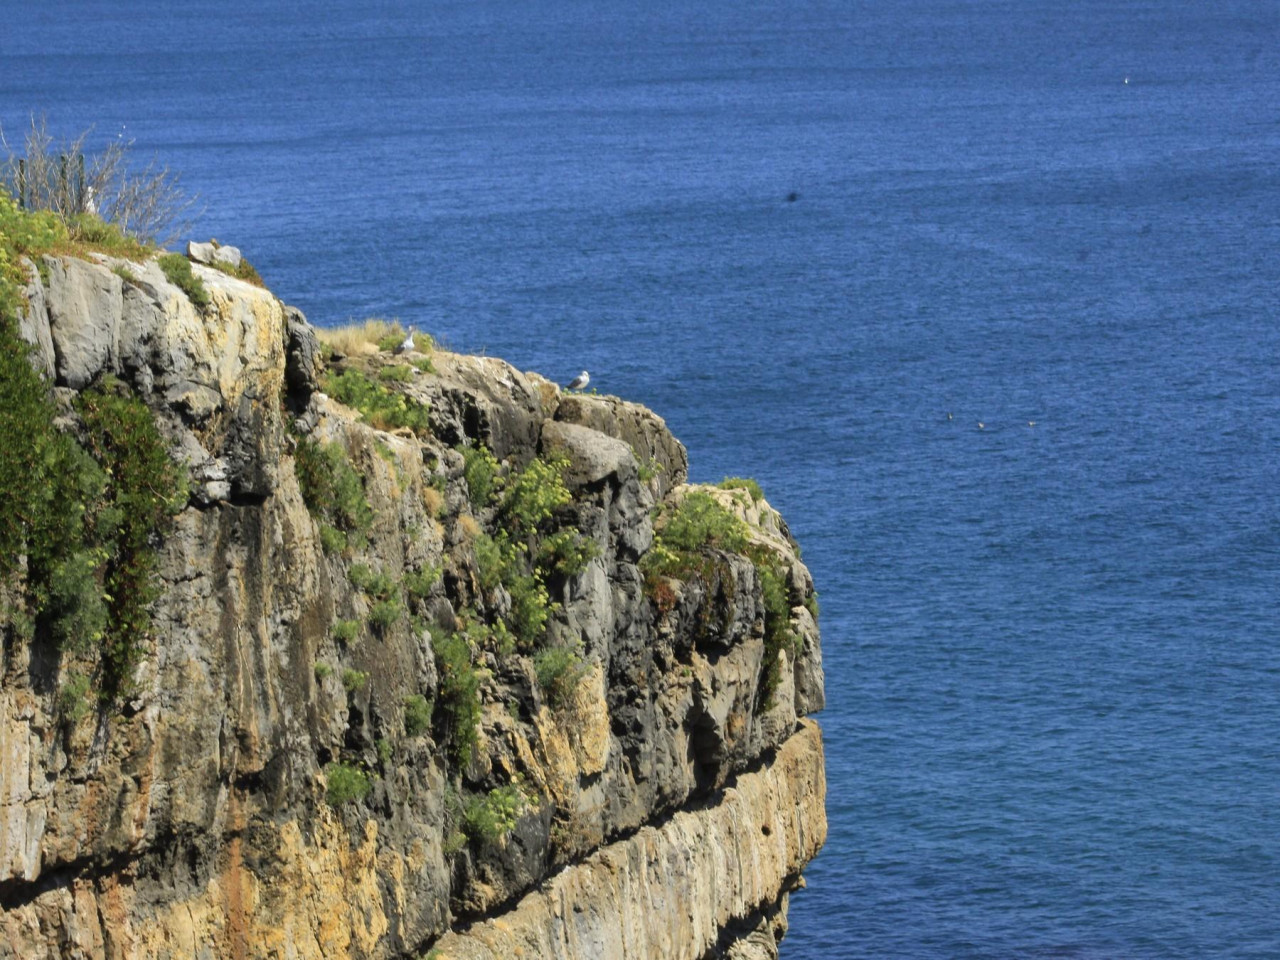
(1052, 650)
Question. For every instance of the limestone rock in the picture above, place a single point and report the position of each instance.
(213, 252)
(195, 820)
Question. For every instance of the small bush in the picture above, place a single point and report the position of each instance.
(418, 583)
(566, 552)
(457, 714)
(380, 586)
(417, 715)
(332, 489)
(811, 604)
(743, 483)
(531, 608)
(480, 472)
(778, 635)
(332, 540)
(399, 373)
(700, 521)
(354, 679)
(73, 697)
(177, 269)
(648, 469)
(492, 557)
(124, 273)
(345, 631)
(347, 784)
(560, 671)
(323, 671)
(536, 493)
(385, 613)
(491, 818)
(383, 746)
(380, 407)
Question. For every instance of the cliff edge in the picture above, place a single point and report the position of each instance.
(439, 661)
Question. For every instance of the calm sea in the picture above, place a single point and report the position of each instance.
(1052, 650)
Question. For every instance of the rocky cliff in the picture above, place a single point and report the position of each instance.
(443, 662)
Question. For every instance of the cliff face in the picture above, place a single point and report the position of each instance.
(462, 721)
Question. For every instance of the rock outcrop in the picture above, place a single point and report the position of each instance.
(631, 776)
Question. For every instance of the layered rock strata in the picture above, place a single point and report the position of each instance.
(661, 805)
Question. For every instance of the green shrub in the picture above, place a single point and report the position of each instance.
(124, 273)
(332, 540)
(74, 606)
(398, 373)
(323, 671)
(345, 631)
(347, 784)
(530, 609)
(560, 671)
(354, 679)
(424, 364)
(418, 583)
(380, 407)
(700, 521)
(480, 472)
(743, 483)
(385, 613)
(648, 469)
(811, 604)
(177, 269)
(380, 586)
(492, 558)
(457, 714)
(778, 635)
(536, 493)
(73, 697)
(331, 488)
(143, 490)
(492, 817)
(566, 552)
(383, 746)
(417, 715)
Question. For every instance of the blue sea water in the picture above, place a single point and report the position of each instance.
(1053, 662)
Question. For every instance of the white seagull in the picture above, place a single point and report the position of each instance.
(579, 382)
(407, 343)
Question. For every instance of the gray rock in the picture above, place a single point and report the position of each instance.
(593, 456)
(33, 323)
(213, 252)
(85, 304)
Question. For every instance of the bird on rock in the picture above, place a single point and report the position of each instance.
(407, 343)
(579, 382)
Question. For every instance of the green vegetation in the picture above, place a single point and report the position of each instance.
(778, 635)
(566, 552)
(536, 493)
(418, 583)
(383, 746)
(323, 671)
(480, 472)
(399, 373)
(491, 818)
(177, 269)
(384, 614)
(242, 271)
(345, 631)
(811, 604)
(380, 407)
(560, 671)
(457, 716)
(333, 491)
(380, 585)
(743, 483)
(354, 679)
(696, 524)
(649, 469)
(417, 715)
(124, 273)
(347, 784)
(73, 697)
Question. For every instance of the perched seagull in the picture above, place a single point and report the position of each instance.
(579, 382)
(407, 343)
